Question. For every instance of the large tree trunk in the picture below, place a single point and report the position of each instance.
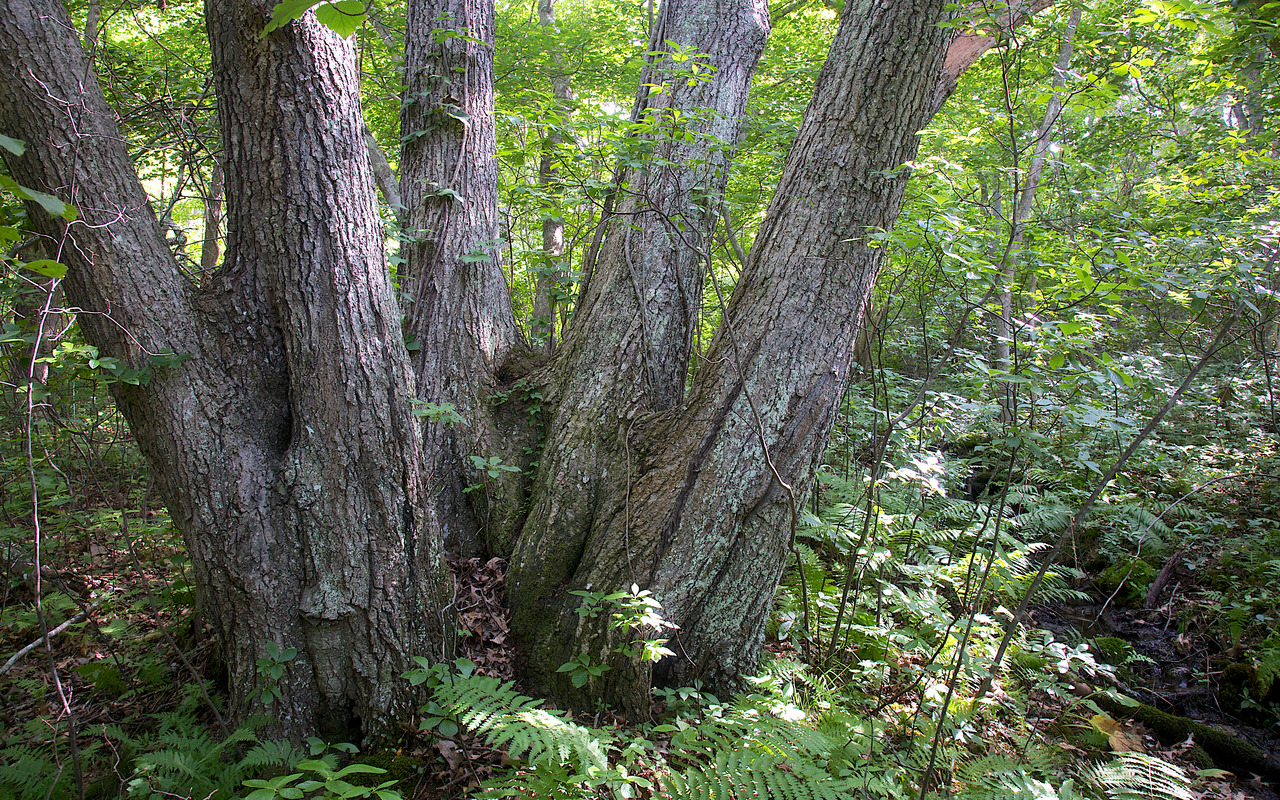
(628, 349)
(284, 446)
(697, 502)
(461, 316)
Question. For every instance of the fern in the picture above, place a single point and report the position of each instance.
(183, 759)
(955, 513)
(729, 775)
(26, 773)
(737, 751)
(511, 720)
(271, 754)
(747, 752)
(1013, 782)
(996, 777)
(1138, 776)
(1268, 658)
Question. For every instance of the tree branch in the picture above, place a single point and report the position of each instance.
(970, 45)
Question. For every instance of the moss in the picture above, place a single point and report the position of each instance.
(1197, 756)
(1113, 649)
(1135, 575)
(1236, 681)
(1226, 751)
(399, 768)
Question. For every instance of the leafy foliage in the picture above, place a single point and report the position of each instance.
(511, 720)
(182, 757)
(1138, 776)
(724, 751)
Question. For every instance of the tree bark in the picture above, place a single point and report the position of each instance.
(210, 247)
(700, 509)
(314, 503)
(383, 176)
(627, 351)
(284, 446)
(461, 316)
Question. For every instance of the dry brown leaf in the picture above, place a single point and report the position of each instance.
(1120, 739)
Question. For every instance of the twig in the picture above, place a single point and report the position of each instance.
(8, 665)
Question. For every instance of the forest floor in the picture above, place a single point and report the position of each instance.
(131, 657)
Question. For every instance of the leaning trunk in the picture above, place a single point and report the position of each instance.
(627, 351)
(701, 499)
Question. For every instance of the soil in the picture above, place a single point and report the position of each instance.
(1181, 678)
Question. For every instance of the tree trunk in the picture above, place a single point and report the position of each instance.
(210, 247)
(697, 502)
(461, 316)
(284, 446)
(627, 351)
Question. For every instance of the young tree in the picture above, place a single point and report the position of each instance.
(284, 442)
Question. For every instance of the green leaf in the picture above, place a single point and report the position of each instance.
(343, 17)
(352, 769)
(15, 146)
(286, 12)
(47, 267)
(48, 202)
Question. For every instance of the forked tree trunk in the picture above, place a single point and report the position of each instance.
(284, 445)
(697, 502)
(285, 442)
(627, 351)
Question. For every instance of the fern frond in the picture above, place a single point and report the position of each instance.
(509, 719)
(1268, 662)
(1138, 776)
(736, 774)
(271, 754)
(748, 752)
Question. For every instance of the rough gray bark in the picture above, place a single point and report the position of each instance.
(461, 315)
(699, 507)
(628, 349)
(210, 247)
(383, 175)
(284, 446)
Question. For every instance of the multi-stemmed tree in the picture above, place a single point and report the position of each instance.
(279, 414)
